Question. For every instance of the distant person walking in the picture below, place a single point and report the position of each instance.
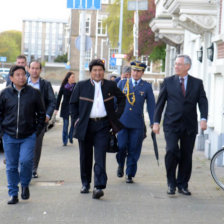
(49, 100)
(20, 61)
(22, 116)
(66, 89)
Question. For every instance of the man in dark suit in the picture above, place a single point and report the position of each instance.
(49, 100)
(93, 113)
(182, 93)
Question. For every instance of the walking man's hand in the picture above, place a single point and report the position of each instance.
(155, 128)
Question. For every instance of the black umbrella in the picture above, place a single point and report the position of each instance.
(153, 135)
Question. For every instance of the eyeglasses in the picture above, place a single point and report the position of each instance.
(179, 64)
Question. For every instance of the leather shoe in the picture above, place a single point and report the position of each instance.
(120, 171)
(84, 189)
(129, 180)
(97, 193)
(171, 190)
(71, 141)
(35, 175)
(184, 191)
(13, 200)
(25, 193)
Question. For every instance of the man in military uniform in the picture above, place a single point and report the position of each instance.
(131, 137)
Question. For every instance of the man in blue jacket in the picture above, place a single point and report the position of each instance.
(131, 137)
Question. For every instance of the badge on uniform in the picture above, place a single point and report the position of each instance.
(141, 93)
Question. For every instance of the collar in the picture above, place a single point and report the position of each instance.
(93, 82)
(30, 81)
(14, 87)
(133, 81)
(185, 77)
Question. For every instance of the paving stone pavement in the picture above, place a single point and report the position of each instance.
(55, 196)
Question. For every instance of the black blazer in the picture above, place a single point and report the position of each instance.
(65, 103)
(48, 96)
(82, 100)
(181, 112)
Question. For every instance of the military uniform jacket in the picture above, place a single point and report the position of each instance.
(133, 116)
(81, 103)
(181, 111)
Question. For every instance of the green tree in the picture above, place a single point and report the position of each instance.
(112, 23)
(61, 58)
(146, 42)
(10, 44)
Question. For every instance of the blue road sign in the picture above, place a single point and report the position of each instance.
(112, 61)
(3, 59)
(84, 4)
(88, 43)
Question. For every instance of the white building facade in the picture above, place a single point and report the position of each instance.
(196, 28)
(44, 39)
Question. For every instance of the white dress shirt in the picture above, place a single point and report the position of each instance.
(98, 108)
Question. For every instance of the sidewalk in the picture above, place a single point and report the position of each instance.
(55, 196)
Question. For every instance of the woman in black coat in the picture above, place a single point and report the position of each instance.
(66, 89)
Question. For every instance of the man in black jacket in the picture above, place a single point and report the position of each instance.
(92, 109)
(182, 93)
(22, 116)
(49, 100)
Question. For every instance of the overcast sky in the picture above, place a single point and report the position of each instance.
(12, 12)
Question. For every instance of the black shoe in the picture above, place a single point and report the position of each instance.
(120, 171)
(71, 141)
(184, 191)
(129, 180)
(171, 190)
(13, 200)
(84, 189)
(97, 193)
(25, 193)
(35, 175)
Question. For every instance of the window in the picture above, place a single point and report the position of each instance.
(88, 58)
(101, 29)
(88, 24)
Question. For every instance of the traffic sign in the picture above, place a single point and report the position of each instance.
(84, 4)
(3, 59)
(88, 43)
(119, 55)
(137, 5)
(112, 61)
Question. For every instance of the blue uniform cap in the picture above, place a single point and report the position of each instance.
(137, 65)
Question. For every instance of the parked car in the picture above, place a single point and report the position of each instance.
(4, 72)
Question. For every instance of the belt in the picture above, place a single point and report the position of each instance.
(98, 118)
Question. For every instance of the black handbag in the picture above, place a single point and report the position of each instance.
(113, 147)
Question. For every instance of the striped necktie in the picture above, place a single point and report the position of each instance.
(182, 86)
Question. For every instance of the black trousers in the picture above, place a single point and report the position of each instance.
(38, 150)
(97, 136)
(179, 150)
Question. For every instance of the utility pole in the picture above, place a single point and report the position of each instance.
(137, 5)
(82, 45)
(135, 30)
(120, 33)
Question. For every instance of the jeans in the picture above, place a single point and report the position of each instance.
(19, 161)
(65, 134)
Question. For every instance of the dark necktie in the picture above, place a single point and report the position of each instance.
(182, 86)
(136, 83)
